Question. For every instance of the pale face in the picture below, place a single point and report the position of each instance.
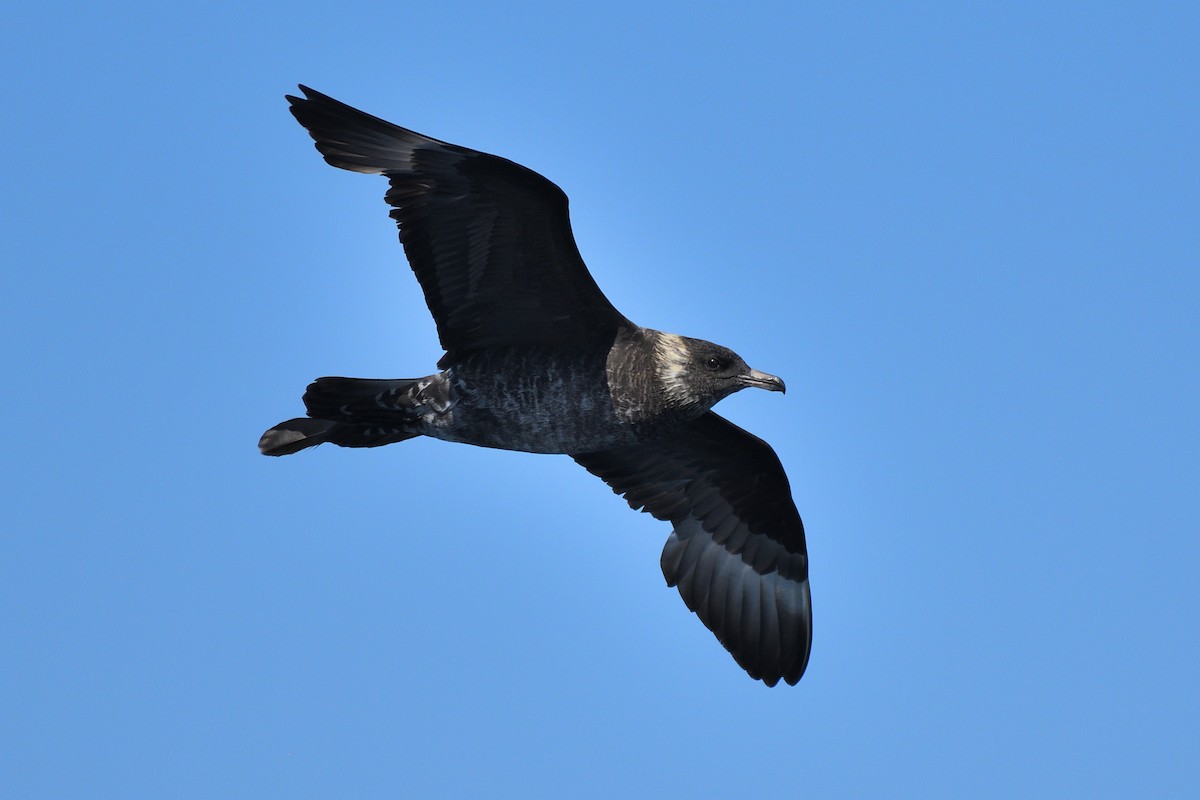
(695, 372)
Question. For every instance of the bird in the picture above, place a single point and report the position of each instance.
(538, 360)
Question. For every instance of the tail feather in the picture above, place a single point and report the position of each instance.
(348, 412)
(356, 398)
(295, 435)
(299, 434)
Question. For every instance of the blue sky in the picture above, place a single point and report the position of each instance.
(964, 234)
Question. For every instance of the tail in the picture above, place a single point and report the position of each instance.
(295, 435)
(348, 412)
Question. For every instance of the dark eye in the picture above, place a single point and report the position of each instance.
(715, 364)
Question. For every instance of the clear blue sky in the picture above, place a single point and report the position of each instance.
(967, 237)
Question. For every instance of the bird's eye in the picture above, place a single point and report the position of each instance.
(715, 364)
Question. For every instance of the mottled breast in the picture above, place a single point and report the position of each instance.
(539, 400)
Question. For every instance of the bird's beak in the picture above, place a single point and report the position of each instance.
(762, 380)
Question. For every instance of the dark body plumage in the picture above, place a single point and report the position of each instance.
(537, 359)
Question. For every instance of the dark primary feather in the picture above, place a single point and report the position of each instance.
(737, 553)
(489, 240)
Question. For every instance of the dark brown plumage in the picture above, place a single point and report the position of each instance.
(538, 359)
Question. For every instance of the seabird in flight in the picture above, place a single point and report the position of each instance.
(537, 359)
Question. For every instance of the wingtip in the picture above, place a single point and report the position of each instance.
(789, 676)
(310, 95)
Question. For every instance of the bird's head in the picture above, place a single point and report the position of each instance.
(696, 373)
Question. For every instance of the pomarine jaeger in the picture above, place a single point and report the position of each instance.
(537, 359)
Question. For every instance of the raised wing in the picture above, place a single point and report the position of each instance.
(489, 240)
(737, 553)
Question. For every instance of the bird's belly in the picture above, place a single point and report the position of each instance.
(572, 426)
(554, 408)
